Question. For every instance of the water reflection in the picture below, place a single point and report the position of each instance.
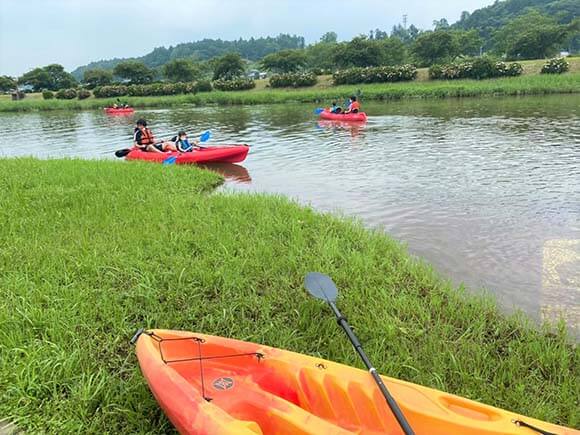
(230, 171)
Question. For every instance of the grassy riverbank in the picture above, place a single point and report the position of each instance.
(323, 93)
(90, 251)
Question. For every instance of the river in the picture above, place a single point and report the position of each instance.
(486, 190)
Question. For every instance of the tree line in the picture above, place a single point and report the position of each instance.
(531, 35)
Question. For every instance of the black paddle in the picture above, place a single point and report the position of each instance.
(322, 287)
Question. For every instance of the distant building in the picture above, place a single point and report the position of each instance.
(255, 74)
(25, 88)
(564, 53)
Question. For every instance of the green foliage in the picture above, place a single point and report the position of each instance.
(7, 84)
(235, 84)
(329, 38)
(47, 95)
(444, 46)
(228, 67)
(97, 77)
(52, 77)
(293, 80)
(360, 52)
(110, 91)
(320, 56)
(405, 35)
(286, 61)
(134, 71)
(479, 68)
(253, 49)
(382, 74)
(83, 94)
(181, 70)
(202, 86)
(66, 94)
(531, 36)
(557, 65)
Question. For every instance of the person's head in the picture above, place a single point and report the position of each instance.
(182, 135)
(353, 98)
(141, 124)
(334, 104)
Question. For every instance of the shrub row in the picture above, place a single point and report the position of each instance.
(66, 94)
(237, 84)
(155, 89)
(293, 80)
(557, 65)
(480, 68)
(378, 74)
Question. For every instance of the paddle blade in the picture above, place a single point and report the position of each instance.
(205, 136)
(170, 160)
(321, 286)
(318, 111)
(122, 153)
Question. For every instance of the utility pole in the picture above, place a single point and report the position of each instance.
(405, 21)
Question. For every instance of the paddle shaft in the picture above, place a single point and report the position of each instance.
(358, 347)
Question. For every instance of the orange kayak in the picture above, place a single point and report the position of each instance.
(215, 385)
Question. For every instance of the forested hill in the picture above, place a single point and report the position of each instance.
(253, 49)
(488, 19)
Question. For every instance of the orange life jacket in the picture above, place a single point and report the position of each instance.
(354, 105)
(146, 137)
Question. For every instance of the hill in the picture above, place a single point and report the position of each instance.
(252, 49)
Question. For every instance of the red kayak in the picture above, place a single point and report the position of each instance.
(349, 117)
(220, 153)
(119, 110)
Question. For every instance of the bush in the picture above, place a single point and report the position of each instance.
(66, 94)
(557, 65)
(237, 84)
(110, 91)
(377, 74)
(202, 86)
(294, 80)
(321, 71)
(47, 95)
(83, 93)
(480, 68)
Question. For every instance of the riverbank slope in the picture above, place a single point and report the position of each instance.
(93, 250)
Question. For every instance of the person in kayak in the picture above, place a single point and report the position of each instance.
(182, 143)
(335, 108)
(144, 140)
(353, 106)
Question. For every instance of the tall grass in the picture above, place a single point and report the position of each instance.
(92, 250)
(523, 85)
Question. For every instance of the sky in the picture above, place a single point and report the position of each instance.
(75, 32)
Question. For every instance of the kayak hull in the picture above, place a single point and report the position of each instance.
(214, 385)
(223, 154)
(122, 111)
(349, 117)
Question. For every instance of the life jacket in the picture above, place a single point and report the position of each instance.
(182, 145)
(354, 106)
(146, 137)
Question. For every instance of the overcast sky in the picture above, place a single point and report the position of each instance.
(75, 32)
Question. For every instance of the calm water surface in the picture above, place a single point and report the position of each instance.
(487, 190)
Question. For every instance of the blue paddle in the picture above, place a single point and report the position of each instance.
(205, 136)
(318, 111)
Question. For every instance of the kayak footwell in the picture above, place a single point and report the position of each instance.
(214, 385)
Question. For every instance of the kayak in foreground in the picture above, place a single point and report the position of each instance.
(119, 110)
(225, 154)
(214, 385)
(352, 117)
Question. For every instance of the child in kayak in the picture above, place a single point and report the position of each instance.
(335, 108)
(182, 143)
(144, 140)
(353, 106)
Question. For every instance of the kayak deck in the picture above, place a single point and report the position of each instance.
(348, 117)
(215, 385)
(112, 110)
(225, 154)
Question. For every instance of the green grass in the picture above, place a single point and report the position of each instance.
(523, 85)
(92, 250)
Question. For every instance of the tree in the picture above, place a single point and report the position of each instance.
(360, 52)
(181, 70)
(532, 36)
(435, 47)
(285, 61)
(468, 43)
(321, 55)
(329, 38)
(134, 71)
(441, 24)
(7, 84)
(394, 51)
(228, 66)
(407, 36)
(52, 77)
(97, 77)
